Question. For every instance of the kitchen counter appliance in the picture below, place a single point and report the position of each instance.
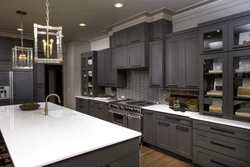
(128, 113)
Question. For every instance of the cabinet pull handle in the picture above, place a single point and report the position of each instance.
(163, 123)
(148, 113)
(135, 66)
(173, 86)
(221, 164)
(138, 40)
(218, 144)
(182, 128)
(221, 130)
(173, 119)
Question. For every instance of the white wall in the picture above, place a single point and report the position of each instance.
(72, 71)
(215, 10)
(186, 20)
(100, 44)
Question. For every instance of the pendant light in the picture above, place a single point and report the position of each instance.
(22, 57)
(48, 42)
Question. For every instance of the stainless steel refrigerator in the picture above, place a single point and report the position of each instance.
(16, 87)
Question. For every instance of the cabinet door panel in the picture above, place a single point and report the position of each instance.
(163, 135)
(156, 53)
(173, 63)
(23, 87)
(120, 38)
(101, 68)
(120, 58)
(6, 45)
(4, 79)
(137, 33)
(136, 55)
(149, 127)
(183, 140)
(191, 72)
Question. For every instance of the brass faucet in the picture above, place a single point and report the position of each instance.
(46, 102)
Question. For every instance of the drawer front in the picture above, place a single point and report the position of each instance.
(174, 119)
(224, 130)
(207, 158)
(96, 104)
(81, 101)
(229, 146)
(83, 109)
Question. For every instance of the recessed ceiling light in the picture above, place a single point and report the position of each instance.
(118, 5)
(19, 29)
(82, 25)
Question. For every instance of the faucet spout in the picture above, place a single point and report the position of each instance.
(46, 102)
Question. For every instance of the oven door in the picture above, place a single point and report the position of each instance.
(134, 122)
(119, 117)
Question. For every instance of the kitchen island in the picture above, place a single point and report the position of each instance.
(66, 138)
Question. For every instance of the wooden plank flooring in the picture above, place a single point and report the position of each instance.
(153, 158)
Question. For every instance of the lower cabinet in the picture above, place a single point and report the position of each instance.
(163, 135)
(100, 110)
(172, 133)
(220, 145)
(82, 105)
(130, 161)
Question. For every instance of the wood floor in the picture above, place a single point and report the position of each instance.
(153, 158)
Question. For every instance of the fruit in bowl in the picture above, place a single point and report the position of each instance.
(29, 106)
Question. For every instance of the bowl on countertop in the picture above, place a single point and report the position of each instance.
(215, 45)
(29, 106)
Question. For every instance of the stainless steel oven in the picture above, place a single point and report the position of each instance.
(134, 122)
(119, 117)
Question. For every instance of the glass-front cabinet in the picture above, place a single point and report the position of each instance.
(213, 91)
(213, 38)
(239, 34)
(239, 85)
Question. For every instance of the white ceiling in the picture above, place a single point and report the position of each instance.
(97, 14)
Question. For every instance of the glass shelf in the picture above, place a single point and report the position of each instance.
(241, 35)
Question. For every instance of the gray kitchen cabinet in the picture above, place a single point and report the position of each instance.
(23, 86)
(6, 44)
(183, 140)
(120, 58)
(130, 161)
(120, 38)
(138, 55)
(101, 67)
(100, 110)
(182, 60)
(159, 29)
(191, 61)
(149, 127)
(39, 79)
(82, 105)
(164, 134)
(173, 62)
(156, 67)
(4, 78)
(137, 33)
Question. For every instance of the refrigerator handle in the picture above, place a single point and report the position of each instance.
(11, 87)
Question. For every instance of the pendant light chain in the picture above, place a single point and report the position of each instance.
(47, 20)
(22, 31)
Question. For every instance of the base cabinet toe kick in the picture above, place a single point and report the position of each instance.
(125, 154)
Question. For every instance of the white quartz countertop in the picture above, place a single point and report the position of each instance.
(106, 100)
(36, 140)
(163, 108)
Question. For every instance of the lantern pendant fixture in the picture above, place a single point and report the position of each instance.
(48, 42)
(22, 57)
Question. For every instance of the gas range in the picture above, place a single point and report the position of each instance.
(130, 105)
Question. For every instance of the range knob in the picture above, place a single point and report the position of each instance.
(122, 108)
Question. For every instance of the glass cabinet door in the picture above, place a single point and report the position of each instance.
(84, 82)
(239, 84)
(213, 86)
(239, 34)
(213, 38)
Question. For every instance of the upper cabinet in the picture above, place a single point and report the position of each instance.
(137, 33)
(120, 38)
(159, 29)
(239, 34)
(120, 58)
(213, 38)
(6, 49)
(181, 60)
(138, 55)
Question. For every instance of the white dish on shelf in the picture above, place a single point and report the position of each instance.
(215, 45)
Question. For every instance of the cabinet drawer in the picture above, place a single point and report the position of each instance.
(232, 147)
(174, 119)
(81, 101)
(83, 109)
(96, 104)
(207, 158)
(224, 130)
